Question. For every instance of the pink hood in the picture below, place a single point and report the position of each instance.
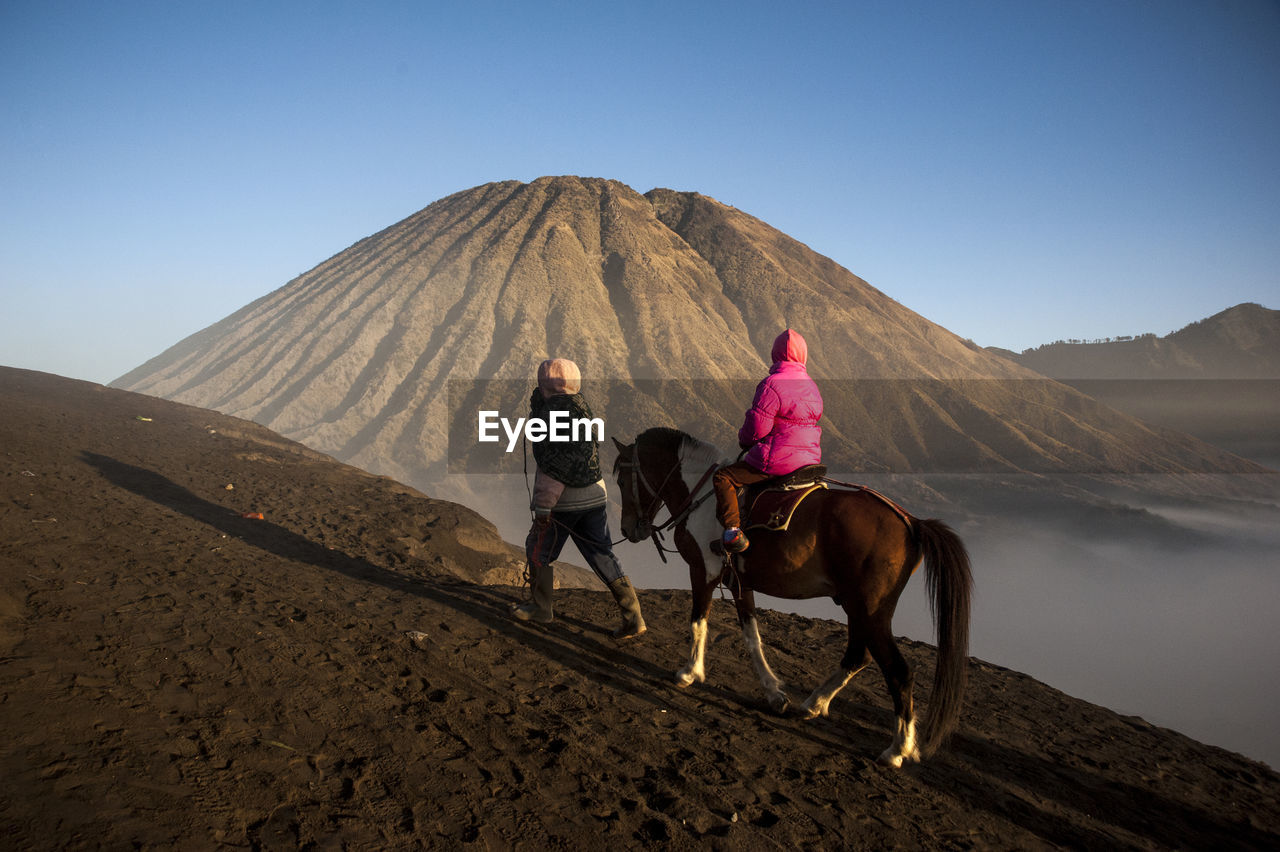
(781, 427)
(790, 346)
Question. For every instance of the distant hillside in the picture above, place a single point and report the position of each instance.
(1217, 379)
(174, 675)
(1240, 343)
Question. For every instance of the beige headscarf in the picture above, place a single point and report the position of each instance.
(559, 375)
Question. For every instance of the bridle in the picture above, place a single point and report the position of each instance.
(647, 516)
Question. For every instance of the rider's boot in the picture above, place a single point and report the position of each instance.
(632, 620)
(734, 540)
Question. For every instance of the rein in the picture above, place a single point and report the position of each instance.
(649, 515)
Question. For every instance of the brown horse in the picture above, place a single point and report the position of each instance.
(849, 544)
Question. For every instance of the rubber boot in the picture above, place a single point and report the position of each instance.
(632, 620)
(543, 580)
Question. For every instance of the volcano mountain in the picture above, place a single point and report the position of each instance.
(383, 355)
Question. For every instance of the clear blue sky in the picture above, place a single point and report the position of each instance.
(1016, 171)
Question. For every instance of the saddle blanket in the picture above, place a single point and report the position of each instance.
(772, 508)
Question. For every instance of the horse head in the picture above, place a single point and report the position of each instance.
(636, 525)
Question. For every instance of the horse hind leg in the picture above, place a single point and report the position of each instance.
(897, 675)
(856, 658)
(905, 745)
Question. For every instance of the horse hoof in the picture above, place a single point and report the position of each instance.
(779, 703)
(889, 759)
(684, 679)
(895, 760)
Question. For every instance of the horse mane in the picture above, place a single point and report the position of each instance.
(689, 449)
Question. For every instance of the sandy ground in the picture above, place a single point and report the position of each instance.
(335, 676)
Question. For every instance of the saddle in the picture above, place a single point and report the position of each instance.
(770, 504)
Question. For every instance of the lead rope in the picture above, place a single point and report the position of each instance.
(528, 575)
(677, 518)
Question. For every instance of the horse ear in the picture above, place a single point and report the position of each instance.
(618, 444)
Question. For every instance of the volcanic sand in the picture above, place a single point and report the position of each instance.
(336, 675)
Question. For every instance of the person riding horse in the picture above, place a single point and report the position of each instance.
(780, 433)
(848, 543)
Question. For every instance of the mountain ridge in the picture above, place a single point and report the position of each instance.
(1240, 342)
(1217, 378)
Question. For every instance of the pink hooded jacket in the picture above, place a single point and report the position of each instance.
(781, 427)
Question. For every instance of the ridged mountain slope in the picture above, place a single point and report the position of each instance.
(382, 355)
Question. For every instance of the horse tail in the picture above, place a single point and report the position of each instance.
(950, 584)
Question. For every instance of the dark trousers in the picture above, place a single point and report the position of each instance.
(589, 530)
(726, 482)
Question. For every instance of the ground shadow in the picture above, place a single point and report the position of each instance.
(1102, 801)
(568, 640)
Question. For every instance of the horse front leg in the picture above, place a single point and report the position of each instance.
(745, 601)
(695, 670)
